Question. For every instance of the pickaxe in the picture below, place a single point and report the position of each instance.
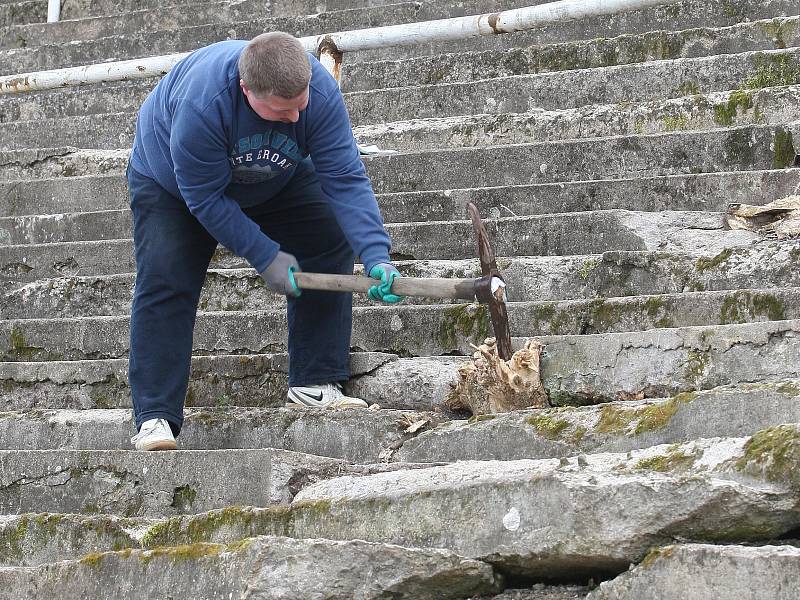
(488, 289)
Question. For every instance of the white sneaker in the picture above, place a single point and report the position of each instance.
(322, 396)
(155, 434)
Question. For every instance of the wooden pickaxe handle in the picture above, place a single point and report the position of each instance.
(425, 287)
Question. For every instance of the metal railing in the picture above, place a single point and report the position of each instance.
(331, 47)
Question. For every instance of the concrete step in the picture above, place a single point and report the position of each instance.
(369, 436)
(719, 109)
(567, 56)
(763, 573)
(568, 234)
(266, 566)
(184, 39)
(354, 435)
(703, 191)
(729, 411)
(406, 330)
(158, 484)
(641, 82)
(589, 369)
(776, 105)
(215, 381)
(576, 370)
(60, 162)
(611, 274)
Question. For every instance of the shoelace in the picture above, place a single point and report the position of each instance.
(159, 424)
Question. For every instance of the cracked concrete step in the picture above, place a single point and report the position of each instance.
(543, 278)
(267, 567)
(354, 435)
(158, 484)
(590, 232)
(575, 370)
(728, 411)
(159, 18)
(726, 490)
(704, 191)
(738, 108)
(758, 573)
(589, 369)
(60, 162)
(688, 14)
(422, 330)
(214, 382)
(644, 82)
(184, 39)
(720, 490)
(773, 105)
(369, 436)
(641, 82)
(768, 34)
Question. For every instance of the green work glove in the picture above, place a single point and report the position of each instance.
(387, 273)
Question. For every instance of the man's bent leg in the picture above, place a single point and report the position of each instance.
(320, 323)
(172, 255)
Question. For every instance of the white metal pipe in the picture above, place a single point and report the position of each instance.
(348, 41)
(53, 11)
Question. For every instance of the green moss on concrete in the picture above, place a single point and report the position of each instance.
(783, 154)
(587, 267)
(183, 497)
(739, 147)
(675, 459)
(480, 419)
(689, 88)
(183, 553)
(678, 123)
(696, 363)
(743, 307)
(774, 70)
(657, 416)
(470, 321)
(547, 426)
(706, 264)
(790, 389)
(773, 453)
(656, 554)
(725, 112)
(614, 419)
(578, 434)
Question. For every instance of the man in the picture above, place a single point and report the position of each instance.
(248, 145)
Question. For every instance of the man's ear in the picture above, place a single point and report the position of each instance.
(244, 86)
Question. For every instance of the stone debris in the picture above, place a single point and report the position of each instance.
(490, 385)
(779, 219)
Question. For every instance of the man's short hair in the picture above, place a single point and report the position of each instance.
(275, 64)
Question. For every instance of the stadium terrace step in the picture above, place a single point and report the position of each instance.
(589, 232)
(769, 572)
(641, 82)
(611, 274)
(567, 56)
(576, 370)
(185, 39)
(590, 369)
(157, 484)
(215, 381)
(729, 411)
(448, 329)
(703, 191)
(266, 567)
(60, 162)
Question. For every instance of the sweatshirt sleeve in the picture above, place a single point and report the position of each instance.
(344, 181)
(202, 172)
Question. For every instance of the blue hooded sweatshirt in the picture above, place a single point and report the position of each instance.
(197, 136)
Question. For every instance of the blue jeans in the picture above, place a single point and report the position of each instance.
(173, 251)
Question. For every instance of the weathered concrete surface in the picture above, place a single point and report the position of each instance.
(589, 369)
(566, 89)
(130, 483)
(568, 234)
(730, 411)
(547, 518)
(34, 539)
(60, 162)
(263, 568)
(772, 34)
(355, 435)
(541, 591)
(719, 109)
(703, 191)
(701, 571)
(214, 381)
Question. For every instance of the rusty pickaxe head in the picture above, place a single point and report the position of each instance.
(490, 289)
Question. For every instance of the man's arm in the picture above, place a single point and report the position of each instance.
(345, 183)
(199, 154)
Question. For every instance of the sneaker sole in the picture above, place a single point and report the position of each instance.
(160, 445)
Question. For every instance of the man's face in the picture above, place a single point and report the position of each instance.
(275, 108)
